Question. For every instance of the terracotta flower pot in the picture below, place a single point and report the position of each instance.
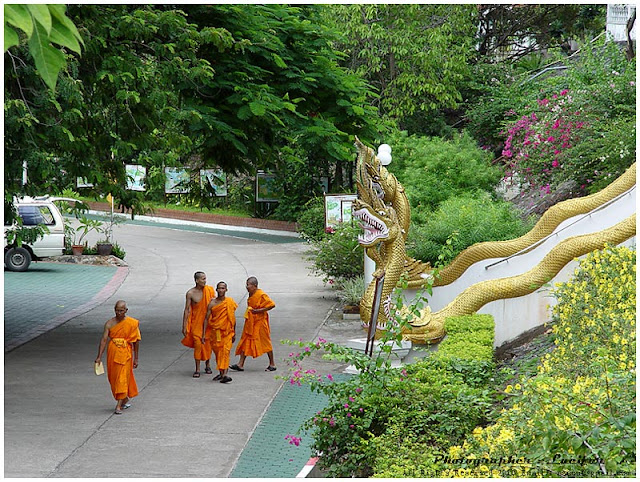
(77, 249)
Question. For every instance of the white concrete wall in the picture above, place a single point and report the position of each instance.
(617, 16)
(514, 316)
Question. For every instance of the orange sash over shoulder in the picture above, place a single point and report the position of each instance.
(256, 334)
(220, 331)
(120, 358)
(222, 320)
(194, 327)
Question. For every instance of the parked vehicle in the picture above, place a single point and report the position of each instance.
(35, 211)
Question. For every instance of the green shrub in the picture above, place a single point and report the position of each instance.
(379, 422)
(338, 255)
(351, 290)
(118, 251)
(475, 218)
(466, 324)
(575, 417)
(432, 170)
(464, 350)
(311, 220)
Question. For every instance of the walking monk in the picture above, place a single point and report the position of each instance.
(123, 335)
(220, 333)
(256, 334)
(195, 310)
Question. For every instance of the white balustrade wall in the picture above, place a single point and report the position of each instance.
(515, 316)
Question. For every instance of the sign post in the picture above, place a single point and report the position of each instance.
(375, 309)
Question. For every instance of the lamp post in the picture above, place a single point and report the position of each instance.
(384, 156)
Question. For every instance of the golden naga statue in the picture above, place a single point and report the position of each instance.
(383, 210)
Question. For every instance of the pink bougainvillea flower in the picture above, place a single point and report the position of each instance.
(352, 426)
(555, 163)
(564, 92)
(329, 376)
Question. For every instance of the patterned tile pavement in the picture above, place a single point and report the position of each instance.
(48, 294)
(268, 454)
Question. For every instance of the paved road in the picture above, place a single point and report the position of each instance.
(59, 418)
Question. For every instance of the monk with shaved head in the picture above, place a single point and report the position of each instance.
(256, 333)
(122, 333)
(221, 329)
(195, 310)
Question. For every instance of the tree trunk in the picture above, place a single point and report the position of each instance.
(630, 52)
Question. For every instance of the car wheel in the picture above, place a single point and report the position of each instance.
(17, 259)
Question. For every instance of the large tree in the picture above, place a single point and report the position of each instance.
(415, 56)
(239, 87)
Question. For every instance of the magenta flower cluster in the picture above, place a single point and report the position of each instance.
(293, 440)
(536, 142)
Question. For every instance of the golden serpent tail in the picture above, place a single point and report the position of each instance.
(549, 221)
(430, 326)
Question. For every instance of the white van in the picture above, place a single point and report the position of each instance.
(34, 211)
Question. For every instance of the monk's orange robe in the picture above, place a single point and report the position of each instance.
(193, 338)
(220, 331)
(120, 358)
(256, 333)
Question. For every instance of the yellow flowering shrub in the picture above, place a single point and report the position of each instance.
(576, 416)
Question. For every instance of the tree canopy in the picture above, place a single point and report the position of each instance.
(233, 86)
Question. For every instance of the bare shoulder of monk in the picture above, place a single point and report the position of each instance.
(111, 323)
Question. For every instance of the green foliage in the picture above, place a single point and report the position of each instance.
(380, 421)
(311, 220)
(576, 415)
(338, 255)
(412, 71)
(474, 218)
(146, 92)
(42, 25)
(19, 234)
(547, 124)
(351, 290)
(433, 170)
(118, 251)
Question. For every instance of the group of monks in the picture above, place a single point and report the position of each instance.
(208, 326)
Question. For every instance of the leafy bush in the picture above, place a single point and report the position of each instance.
(428, 404)
(576, 417)
(351, 290)
(118, 251)
(432, 170)
(475, 218)
(610, 151)
(338, 255)
(311, 220)
(548, 124)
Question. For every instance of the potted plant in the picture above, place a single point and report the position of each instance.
(79, 234)
(104, 247)
(350, 292)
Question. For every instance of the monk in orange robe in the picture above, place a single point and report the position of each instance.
(195, 310)
(256, 334)
(122, 333)
(221, 330)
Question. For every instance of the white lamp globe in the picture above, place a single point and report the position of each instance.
(384, 148)
(385, 158)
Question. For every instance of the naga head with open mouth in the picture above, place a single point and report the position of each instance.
(379, 224)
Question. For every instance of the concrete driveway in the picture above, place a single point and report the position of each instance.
(58, 416)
